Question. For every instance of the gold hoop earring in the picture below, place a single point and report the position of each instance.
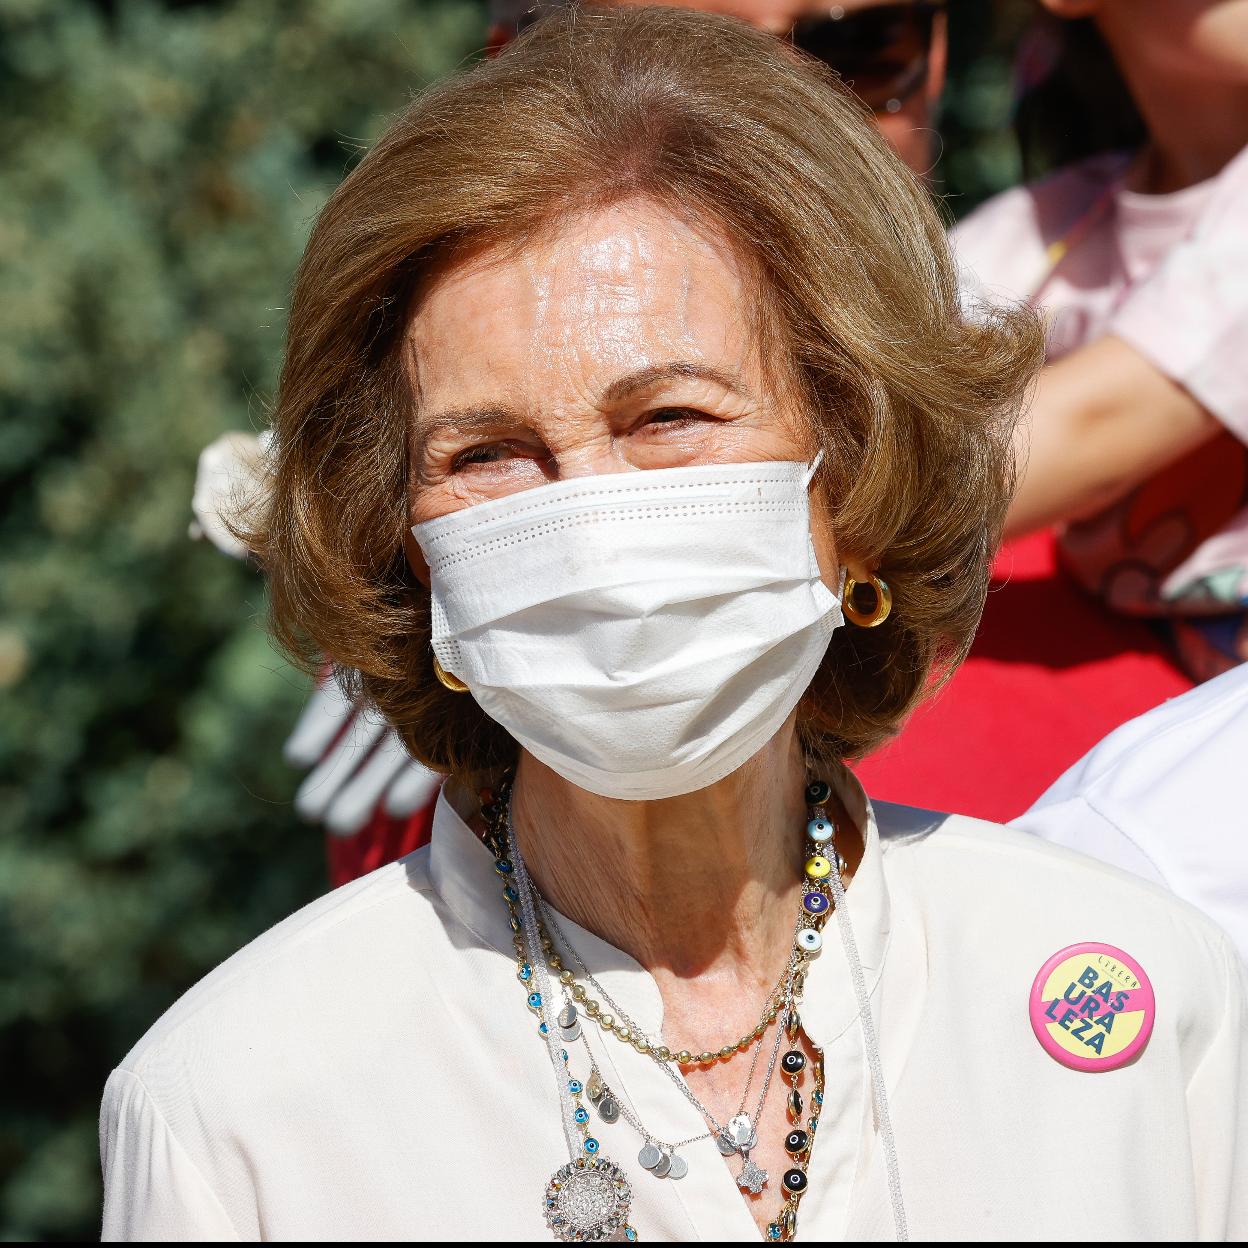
(446, 679)
(883, 603)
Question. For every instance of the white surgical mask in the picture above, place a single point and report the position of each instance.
(642, 633)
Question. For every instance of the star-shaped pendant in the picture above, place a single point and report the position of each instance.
(752, 1178)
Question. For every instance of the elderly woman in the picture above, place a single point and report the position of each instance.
(631, 447)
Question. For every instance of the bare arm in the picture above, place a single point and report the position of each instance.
(1102, 420)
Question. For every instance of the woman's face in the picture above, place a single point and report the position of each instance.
(621, 342)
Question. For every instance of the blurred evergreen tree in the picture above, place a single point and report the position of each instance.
(979, 151)
(162, 166)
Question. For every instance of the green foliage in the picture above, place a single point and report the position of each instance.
(162, 168)
(979, 150)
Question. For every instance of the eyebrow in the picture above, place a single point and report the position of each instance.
(628, 385)
(470, 420)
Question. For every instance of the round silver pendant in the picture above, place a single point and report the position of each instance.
(725, 1143)
(568, 1034)
(742, 1133)
(567, 1015)
(649, 1156)
(680, 1167)
(609, 1109)
(588, 1199)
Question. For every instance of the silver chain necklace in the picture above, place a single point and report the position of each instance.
(740, 1134)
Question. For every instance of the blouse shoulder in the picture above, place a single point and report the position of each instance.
(253, 1053)
(327, 947)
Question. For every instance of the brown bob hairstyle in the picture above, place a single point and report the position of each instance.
(912, 403)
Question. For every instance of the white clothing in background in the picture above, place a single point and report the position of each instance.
(368, 1069)
(1166, 797)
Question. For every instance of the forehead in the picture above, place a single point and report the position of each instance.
(621, 287)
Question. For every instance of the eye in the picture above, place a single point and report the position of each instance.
(489, 453)
(678, 415)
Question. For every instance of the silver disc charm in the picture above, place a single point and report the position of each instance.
(742, 1132)
(664, 1165)
(649, 1156)
(725, 1144)
(588, 1199)
(680, 1167)
(567, 1015)
(609, 1109)
(568, 1034)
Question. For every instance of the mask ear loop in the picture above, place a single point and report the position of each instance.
(807, 478)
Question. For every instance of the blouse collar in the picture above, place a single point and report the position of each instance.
(462, 873)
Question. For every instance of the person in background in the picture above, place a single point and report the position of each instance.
(891, 55)
(1137, 438)
(1124, 578)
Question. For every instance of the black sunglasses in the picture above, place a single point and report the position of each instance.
(882, 51)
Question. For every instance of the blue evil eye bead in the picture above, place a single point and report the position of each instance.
(541, 1027)
(581, 1115)
(575, 1087)
(511, 895)
(630, 1234)
(502, 866)
(818, 792)
(773, 1230)
(794, 1181)
(793, 1062)
(795, 1143)
(535, 1000)
(563, 1053)
(816, 903)
(817, 1098)
(591, 1145)
(819, 830)
(525, 973)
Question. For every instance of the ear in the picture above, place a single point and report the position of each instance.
(416, 558)
(857, 570)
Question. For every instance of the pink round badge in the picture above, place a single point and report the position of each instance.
(1092, 1007)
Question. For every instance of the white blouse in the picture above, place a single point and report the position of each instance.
(368, 1069)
